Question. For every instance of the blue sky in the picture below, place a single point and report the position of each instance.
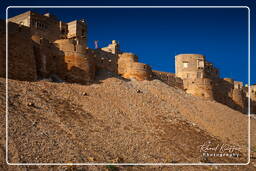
(157, 35)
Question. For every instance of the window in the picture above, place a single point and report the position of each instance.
(199, 75)
(83, 32)
(185, 64)
(200, 64)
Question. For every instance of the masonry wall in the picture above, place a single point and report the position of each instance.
(78, 29)
(124, 61)
(45, 26)
(191, 71)
(79, 61)
(190, 66)
(32, 57)
(21, 60)
(104, 60)
(138, 71)
(49, 59)
(226, 93)
(252, 97)
(168, 78)
(202, 87)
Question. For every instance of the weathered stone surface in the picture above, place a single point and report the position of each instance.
(138, 71)
(80, 64)
(168, 78)
(21, 59)
(125, 60)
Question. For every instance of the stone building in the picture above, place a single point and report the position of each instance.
(60, 49)
(197, 74)
(106, 58)
(57, 49)
(49, 27)
(201, 78)
(191, 66)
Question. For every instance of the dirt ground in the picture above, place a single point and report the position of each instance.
(117, 121)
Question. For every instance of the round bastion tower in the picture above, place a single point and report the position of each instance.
(125, 60)
(130, 68)
(191, 69)
(80, 65)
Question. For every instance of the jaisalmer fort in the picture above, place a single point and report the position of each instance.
(52, 48)
(71, 104)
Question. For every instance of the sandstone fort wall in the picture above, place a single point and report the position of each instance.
(21, 61)
(138, 71)
(168, 78)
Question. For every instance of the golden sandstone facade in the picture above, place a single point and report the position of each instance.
(58, 50)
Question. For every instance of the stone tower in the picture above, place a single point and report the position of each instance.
(189, 66)
(130, 68)
(80, 63)
(197, 74)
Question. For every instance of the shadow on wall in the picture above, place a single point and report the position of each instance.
(225, 93)
(49, 60)
(253, 107)
(21, 61)
(31, 58)
(168, 78)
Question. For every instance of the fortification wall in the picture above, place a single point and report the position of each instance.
(124, 61)
(104, 60)
(227, 93)
(168, 78)
(239, 99)
(49, 59)
(21, 60)
(202, 87)
(138, 71)
(252, 97)
(79, 61)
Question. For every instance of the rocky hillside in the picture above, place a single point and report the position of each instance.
(116, 121)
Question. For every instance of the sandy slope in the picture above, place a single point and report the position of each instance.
(111, 121)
